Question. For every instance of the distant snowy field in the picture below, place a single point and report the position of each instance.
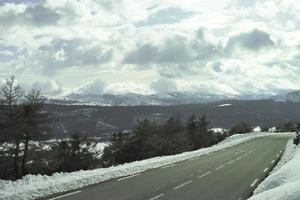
(37, 186)
(284, 181)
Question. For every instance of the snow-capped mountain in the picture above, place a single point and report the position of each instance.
(288, 97)
(163, 99)
(133, 99)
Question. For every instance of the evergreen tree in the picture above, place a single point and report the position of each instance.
(241, 127)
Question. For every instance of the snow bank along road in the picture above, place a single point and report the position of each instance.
(231, 173)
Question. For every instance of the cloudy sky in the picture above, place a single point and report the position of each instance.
(119, 46)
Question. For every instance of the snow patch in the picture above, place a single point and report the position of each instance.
(37, 186)
(283, 183)
(225, 105)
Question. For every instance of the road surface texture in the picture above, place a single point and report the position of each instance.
(228, 174)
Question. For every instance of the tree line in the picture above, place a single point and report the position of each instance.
(149, 139)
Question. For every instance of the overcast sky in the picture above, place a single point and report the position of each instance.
(146, 46)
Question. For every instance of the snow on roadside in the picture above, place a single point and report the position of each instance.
(37, 186)
(288, 154)
(283, 183)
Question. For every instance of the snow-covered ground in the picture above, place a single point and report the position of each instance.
(36, 186)
(284, 181)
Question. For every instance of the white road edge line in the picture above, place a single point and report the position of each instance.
(266, 169)
(121, 179)
(167, 166)
(219, 167)
(158, 196)
(254, 182)
(183, 184)
(273, 161)
(65, 195)
(204, 174)
(193, 158)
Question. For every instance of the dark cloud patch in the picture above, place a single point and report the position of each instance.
(34, 15)
(144, 54)
(70, 53)
(2, 2)
(164, 85)
(253, 41)
(175, 50)
(166, 16)
(217, 66)
(41, 16)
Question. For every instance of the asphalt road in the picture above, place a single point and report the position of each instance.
(229, 174)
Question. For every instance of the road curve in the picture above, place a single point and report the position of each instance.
(229, 174)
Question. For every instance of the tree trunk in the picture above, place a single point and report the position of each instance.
(23, 169)
(16, 160)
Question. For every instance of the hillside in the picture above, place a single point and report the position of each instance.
(102, 120)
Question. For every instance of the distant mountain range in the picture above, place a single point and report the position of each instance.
(103, 120)
(162, 99)
(289, 97)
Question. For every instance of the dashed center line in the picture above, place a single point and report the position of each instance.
(266, 169)
(254, 182)
(230, 162)
(273, 161)
(65, 195)
(167, 166)
(120, 179)
(238, 157)
(157, 197)
(183, 184)
(219, 167)
(204, 174)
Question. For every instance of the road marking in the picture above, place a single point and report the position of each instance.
(238, 158)
(254, 182)
(273, 161)
(193, 158)
(266, 169)
(167, 166)
(65, 195)
(277, 155)
(157, 197)
(183, 184)
(280, 151)
(204, 174)
(121, 179)
(230, 162)
(219, 167)
(240, 198)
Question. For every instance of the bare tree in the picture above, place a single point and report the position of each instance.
(36, 123)
(10, 95)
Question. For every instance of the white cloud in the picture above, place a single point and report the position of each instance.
(164, 85)
(95, 87)
(224, 46)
